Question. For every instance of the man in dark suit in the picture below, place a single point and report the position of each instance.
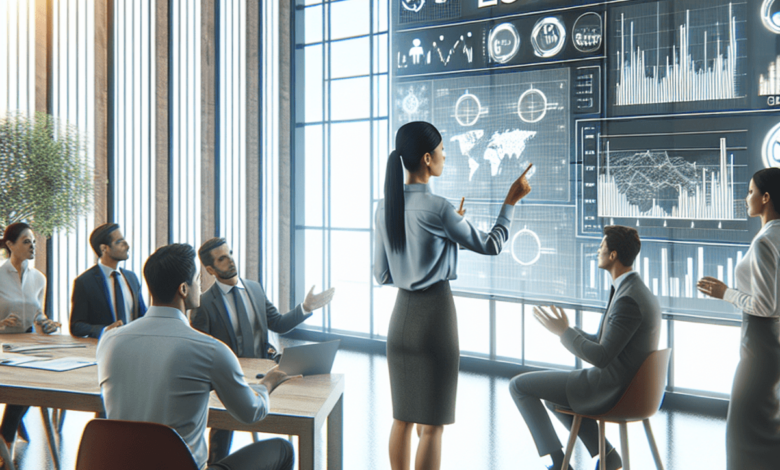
(629, 332)
(237, 312)
(105, 296)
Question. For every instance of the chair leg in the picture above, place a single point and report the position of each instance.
(602, 445)
(5, 453)
(55, 456)
(575, 429)
(624, 445)
(60, 420)
(653, 447)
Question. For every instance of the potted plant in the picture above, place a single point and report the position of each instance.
(46, 179)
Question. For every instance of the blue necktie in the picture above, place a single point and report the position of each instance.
(119, 299)
(244, 338)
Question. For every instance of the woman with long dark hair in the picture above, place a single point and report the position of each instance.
(417, 238)
(753, 421)
(22, 289)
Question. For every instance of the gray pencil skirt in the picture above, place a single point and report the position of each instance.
(423, 355)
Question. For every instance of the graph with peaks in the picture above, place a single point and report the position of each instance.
(684, 55)
(670, 271)
(658, 184)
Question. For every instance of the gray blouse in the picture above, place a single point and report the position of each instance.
(433, 232)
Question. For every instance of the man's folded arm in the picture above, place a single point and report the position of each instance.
(625, 318)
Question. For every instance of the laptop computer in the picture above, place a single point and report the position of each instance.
(309, 359)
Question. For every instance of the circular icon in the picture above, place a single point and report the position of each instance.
(587, 32)
(503, 43)
(410, 104)
(771, 149)
(532, 106)
(548, 37)
(770, 15)
(526, 247)
(468, 109)
(413, 5)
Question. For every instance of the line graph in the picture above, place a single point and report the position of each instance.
(655, 184)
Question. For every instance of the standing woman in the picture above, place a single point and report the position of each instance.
(22, 289)
(416, 250)
(753, 421)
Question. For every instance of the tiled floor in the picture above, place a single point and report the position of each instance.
(489, 432)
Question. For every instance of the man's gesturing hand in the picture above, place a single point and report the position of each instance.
(314, 301)
(557, 321)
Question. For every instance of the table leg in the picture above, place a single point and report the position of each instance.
(307, 441)
(335, 435)
(6, 455)
(55, 456)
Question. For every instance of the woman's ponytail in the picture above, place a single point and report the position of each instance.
(412, 141)
(394, 202)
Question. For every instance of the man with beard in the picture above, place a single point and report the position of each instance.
(180, 367)
(237, 312)
(105, 296)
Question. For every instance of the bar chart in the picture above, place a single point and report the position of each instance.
(701, 64)
(769, 84)
(670, 271)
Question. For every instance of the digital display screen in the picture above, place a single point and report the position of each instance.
(649, 114)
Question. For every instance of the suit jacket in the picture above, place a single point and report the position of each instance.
(91, 308)
(629, 332)
(212, 317)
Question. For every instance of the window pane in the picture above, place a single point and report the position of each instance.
(380, 158)
(349, 58)
(350, 99)
(705, 356)
(473, 324)
(312, 184)
(313, 257)
(543, 347)
(350, 196)
(384, 302)
(313, 22)
(312, 96)
(380, 53)
(350, 274)
(509, 329)
(381, 95)
(349, 18)
(381, 15)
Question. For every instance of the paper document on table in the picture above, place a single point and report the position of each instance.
(57, 365)
(19, 348)
(16, 359)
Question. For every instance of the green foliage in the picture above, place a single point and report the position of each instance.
(45, 175)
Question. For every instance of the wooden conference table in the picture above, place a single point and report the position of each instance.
(299, 407)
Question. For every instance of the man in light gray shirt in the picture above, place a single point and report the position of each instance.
(159, 369)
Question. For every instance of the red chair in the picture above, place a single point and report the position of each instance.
(639, 402)
(130, 445)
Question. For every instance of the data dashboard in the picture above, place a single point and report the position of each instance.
(649, 114)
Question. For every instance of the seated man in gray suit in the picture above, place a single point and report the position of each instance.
(238, 313)
(628, 333)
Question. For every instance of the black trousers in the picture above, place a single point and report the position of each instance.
(271, 454)
(12, 418)
(529, 389)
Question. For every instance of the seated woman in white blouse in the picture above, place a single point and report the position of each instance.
(753, 421)
(22, 289)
